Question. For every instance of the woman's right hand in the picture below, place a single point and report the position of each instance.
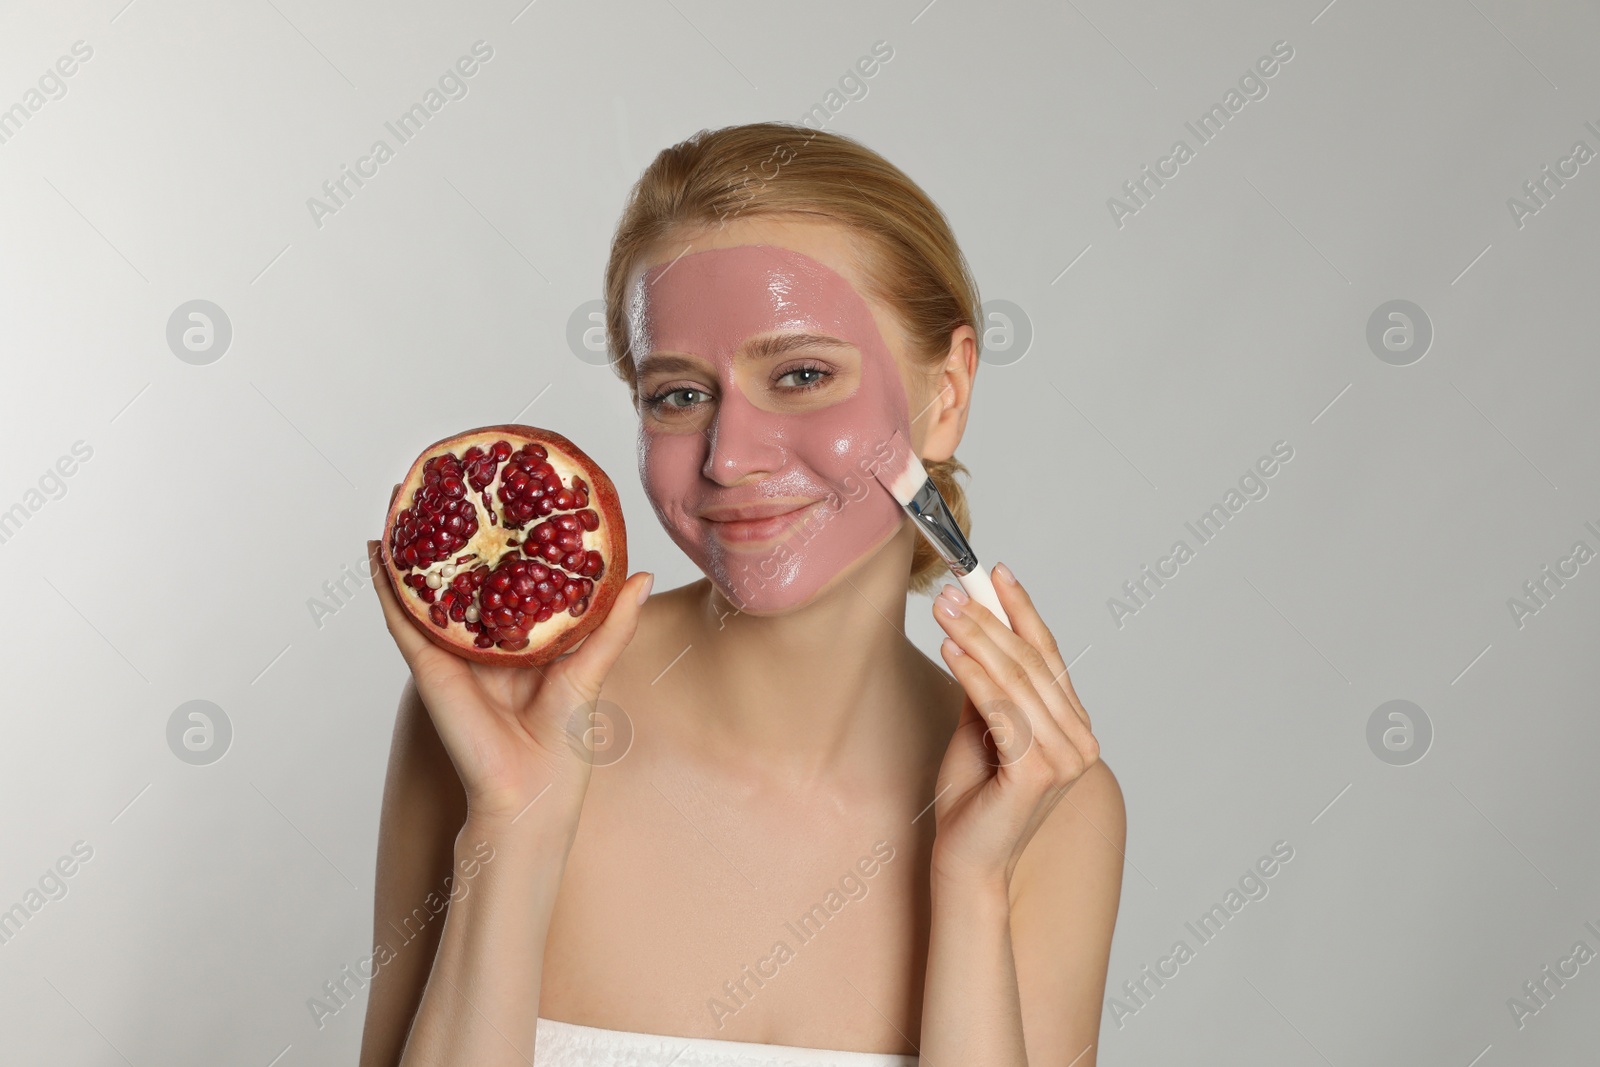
(514, 732)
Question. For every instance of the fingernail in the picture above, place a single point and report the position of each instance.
(952, 648)
(954, 592)
(947, 606)
(644, 590)
(1003, 572)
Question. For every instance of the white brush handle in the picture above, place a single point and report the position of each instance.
(980, 587)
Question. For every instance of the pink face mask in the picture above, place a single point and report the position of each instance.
(761, 443)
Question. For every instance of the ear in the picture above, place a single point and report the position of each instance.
(944, 420)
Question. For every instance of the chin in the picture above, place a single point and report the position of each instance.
(801, 579)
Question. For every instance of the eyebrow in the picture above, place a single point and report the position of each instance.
(760, 348)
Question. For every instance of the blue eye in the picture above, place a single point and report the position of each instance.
(816, 375)
(664, 399)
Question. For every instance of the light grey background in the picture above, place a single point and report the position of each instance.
(1169, 354)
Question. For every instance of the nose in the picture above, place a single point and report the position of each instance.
(744, 441)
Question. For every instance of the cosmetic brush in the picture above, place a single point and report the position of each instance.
(907, 481)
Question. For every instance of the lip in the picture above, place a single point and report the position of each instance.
(754, 523)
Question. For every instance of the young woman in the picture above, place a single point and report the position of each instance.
(809, 852)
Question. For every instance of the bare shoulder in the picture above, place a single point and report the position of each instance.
(658, 639)
(1082, 838)
(1090, 818)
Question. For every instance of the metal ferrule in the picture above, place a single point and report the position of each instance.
(933, 515)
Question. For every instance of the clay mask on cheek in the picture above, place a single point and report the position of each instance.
(750, 450)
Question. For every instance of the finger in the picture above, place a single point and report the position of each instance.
(405, 633)
(585, 670)
(1030, 626)
(1009, 681)
(992, 709)
(394, 493)
(1011, 661)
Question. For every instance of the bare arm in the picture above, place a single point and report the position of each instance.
(481, 1003)
(1020, 932)
(1024, 979)
(424, 806)
(1067, 891)
(510, 735)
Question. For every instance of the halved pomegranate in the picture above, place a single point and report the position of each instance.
(506, 545)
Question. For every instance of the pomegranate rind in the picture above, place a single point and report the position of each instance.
(562, 631)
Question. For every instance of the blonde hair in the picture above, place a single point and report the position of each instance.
(768, 169)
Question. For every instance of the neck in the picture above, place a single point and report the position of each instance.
(811, 691)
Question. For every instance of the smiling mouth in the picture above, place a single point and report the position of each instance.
(756, 525)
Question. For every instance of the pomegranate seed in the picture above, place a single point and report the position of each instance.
(579, 608)
(436, 616)
(514, 646)
(502, 450)
(543, 615)
(483, 641)
(426, 594)
(589, 520)
(436, 521)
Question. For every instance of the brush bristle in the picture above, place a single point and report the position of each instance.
(903, 473)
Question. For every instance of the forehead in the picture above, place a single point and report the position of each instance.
(715, 289)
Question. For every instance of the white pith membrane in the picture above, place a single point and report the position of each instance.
(491, 543)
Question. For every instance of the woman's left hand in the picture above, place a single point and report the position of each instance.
(991, 798)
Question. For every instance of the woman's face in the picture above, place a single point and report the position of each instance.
(767, 395)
